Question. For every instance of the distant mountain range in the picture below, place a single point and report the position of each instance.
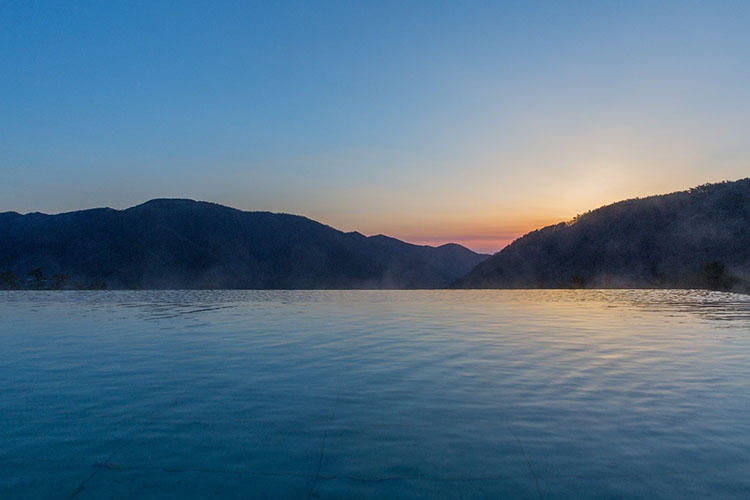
(698, 238)
(174, 243)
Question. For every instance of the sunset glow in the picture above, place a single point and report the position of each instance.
(464, 123)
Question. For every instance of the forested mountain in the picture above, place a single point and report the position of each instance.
(698, 238)
(172, 243)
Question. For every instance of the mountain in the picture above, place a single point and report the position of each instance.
(698, 238)
(174, 243)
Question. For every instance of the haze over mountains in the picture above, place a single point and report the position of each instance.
(174, 243)
(699, 238)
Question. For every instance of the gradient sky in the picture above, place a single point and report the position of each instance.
(429, 121)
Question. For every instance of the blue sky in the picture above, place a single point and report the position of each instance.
(430, 121)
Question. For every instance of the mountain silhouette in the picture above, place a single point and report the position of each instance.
(699, 238)
(175, 243)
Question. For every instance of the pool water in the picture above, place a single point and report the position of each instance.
(375, 394)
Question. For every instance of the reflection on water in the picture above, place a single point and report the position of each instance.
(537, 394)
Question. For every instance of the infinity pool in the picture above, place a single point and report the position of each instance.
(250, 394)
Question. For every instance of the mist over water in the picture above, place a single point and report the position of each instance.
(331, 394)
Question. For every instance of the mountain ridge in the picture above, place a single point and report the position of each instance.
(182, 243)
(696, 238)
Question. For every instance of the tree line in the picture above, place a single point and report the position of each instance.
(36, 279)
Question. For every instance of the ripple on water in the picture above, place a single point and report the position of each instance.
(536, 393)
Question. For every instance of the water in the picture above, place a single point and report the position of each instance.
(528, 394)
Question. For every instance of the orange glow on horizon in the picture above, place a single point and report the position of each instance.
(486, 238)
(486, 221)
(480, 245)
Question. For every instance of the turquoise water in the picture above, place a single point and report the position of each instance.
(528, 394)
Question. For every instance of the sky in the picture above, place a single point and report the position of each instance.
(434, 122)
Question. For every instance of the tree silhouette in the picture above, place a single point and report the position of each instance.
(59, 281)
(714, 276)
(8, 281)
(37, 277)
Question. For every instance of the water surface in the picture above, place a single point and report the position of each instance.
(531, 394)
